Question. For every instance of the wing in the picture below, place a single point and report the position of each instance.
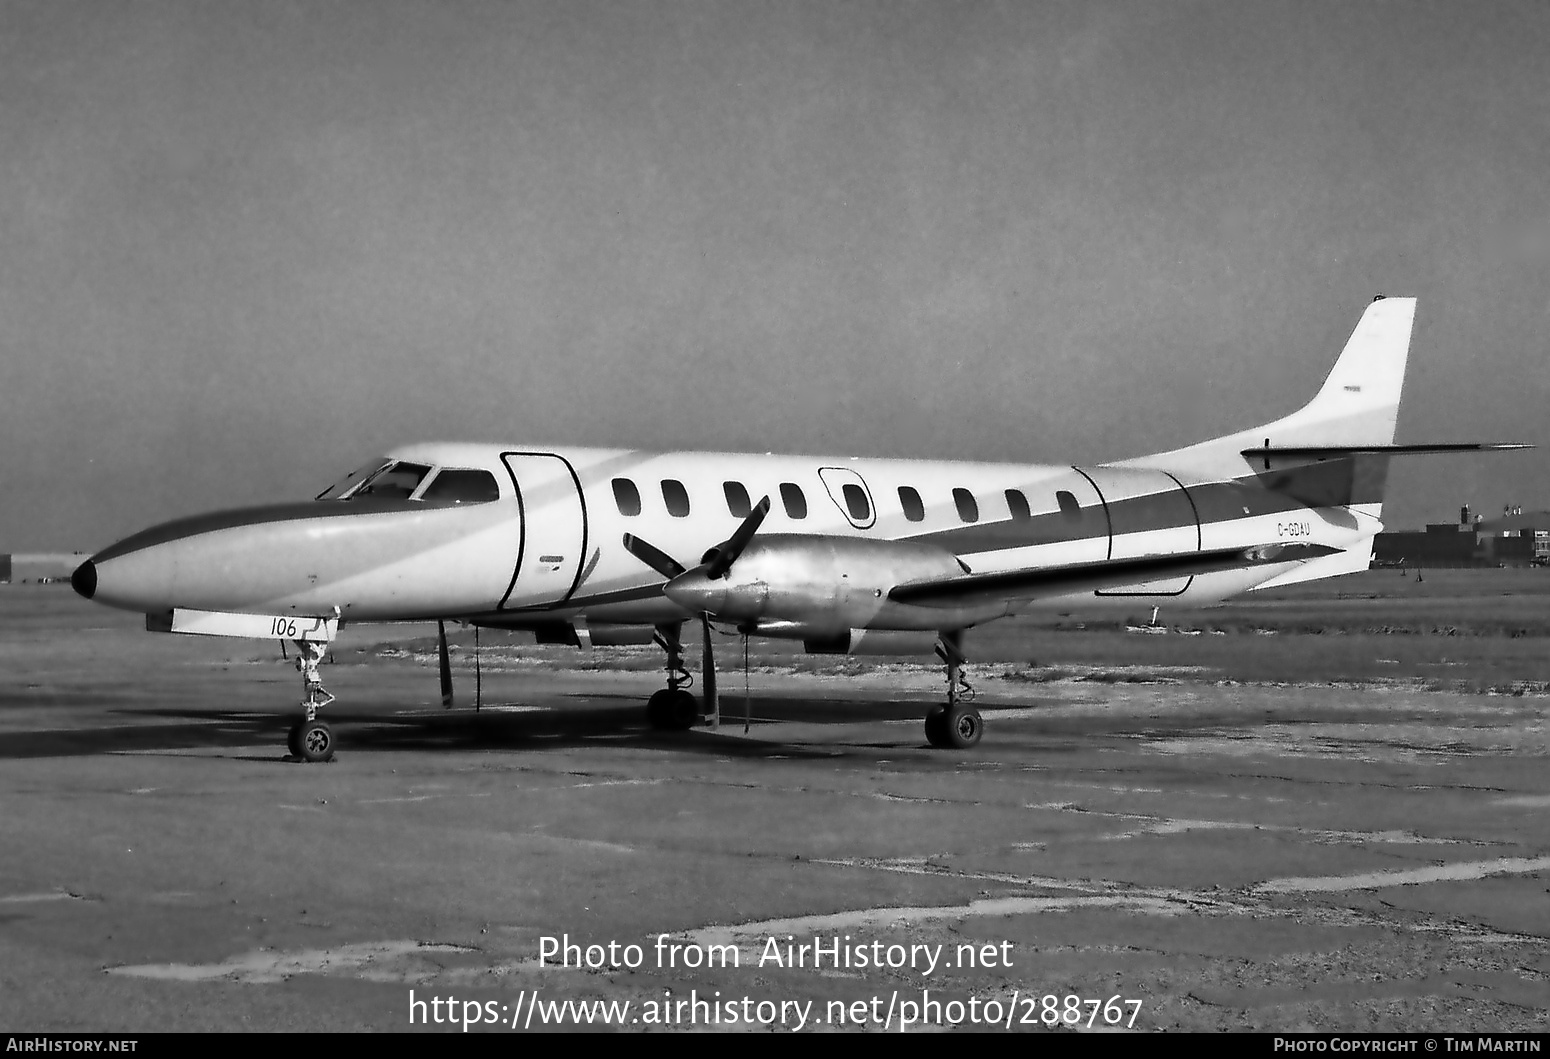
(971, 589)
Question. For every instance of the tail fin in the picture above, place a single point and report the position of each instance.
(1358, 404)
(1334, 450)
(1356, 408)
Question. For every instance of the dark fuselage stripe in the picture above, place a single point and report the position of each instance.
(1211, 502)
(194, 525)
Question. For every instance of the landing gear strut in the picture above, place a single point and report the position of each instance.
(673, 708)
(954, 724)
(310, 739)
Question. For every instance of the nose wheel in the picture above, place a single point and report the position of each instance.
(311, 739)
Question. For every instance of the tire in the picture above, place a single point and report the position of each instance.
(673, 711)
(936, 726)
(658, 709)
(683, 711)
(964, 728)
(315, 741)
(293, 740)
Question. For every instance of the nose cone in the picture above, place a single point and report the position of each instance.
(84, 580)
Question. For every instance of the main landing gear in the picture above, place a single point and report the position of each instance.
(954, 724)
(673, 708)
(310, 739)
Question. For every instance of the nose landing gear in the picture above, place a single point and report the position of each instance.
(311, 739)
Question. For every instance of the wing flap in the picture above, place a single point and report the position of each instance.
(972, 589)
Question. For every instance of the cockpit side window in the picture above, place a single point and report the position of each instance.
(395, 482)
(342, 488)
(462, 487)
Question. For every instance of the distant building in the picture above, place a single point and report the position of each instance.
(1518, 538)
(1439, 545)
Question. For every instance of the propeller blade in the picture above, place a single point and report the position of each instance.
(708, 676)
(446, 665)
(652, 556)
(747, 698)
(725, 554)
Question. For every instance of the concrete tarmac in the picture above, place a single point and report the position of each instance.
(1185, 854)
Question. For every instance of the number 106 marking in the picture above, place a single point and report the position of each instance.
(284, 627)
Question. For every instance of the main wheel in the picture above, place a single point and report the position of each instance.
(315, 741)
(936, 726)
(657, 708)
(672, 711)
(293, 739)
(964, 728)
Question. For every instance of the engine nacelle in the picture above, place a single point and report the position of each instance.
(829, 584)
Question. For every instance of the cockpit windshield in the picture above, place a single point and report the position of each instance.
(394, 482)
(453, 486)
(384, 479)
(344, 486)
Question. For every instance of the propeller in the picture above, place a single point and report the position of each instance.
(708, 675)
(653, 556)
(715, 563)
(719, 559)
(446, 665)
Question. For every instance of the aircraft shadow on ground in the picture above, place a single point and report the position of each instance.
(612, 719)
(496, 727)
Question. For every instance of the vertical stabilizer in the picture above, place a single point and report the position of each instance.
(1359, 402)
(1357, 406)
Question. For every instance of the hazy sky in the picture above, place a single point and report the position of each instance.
(245, 246)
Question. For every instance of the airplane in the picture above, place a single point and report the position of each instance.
(592, 546)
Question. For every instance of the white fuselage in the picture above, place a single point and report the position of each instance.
(548, 547)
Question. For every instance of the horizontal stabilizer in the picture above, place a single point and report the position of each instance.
(972, 589)
(1324, 452)
(1341, 475)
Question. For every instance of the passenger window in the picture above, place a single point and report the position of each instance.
(1068, 505)
(1017, 503)
(856, 501)
(791, 496)
(737, 499)
(675, 497)
(968, 507)
(462, 487)
(909, 500)
(626, 496)
(394, 483)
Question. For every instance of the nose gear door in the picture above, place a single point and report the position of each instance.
(553, 530)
